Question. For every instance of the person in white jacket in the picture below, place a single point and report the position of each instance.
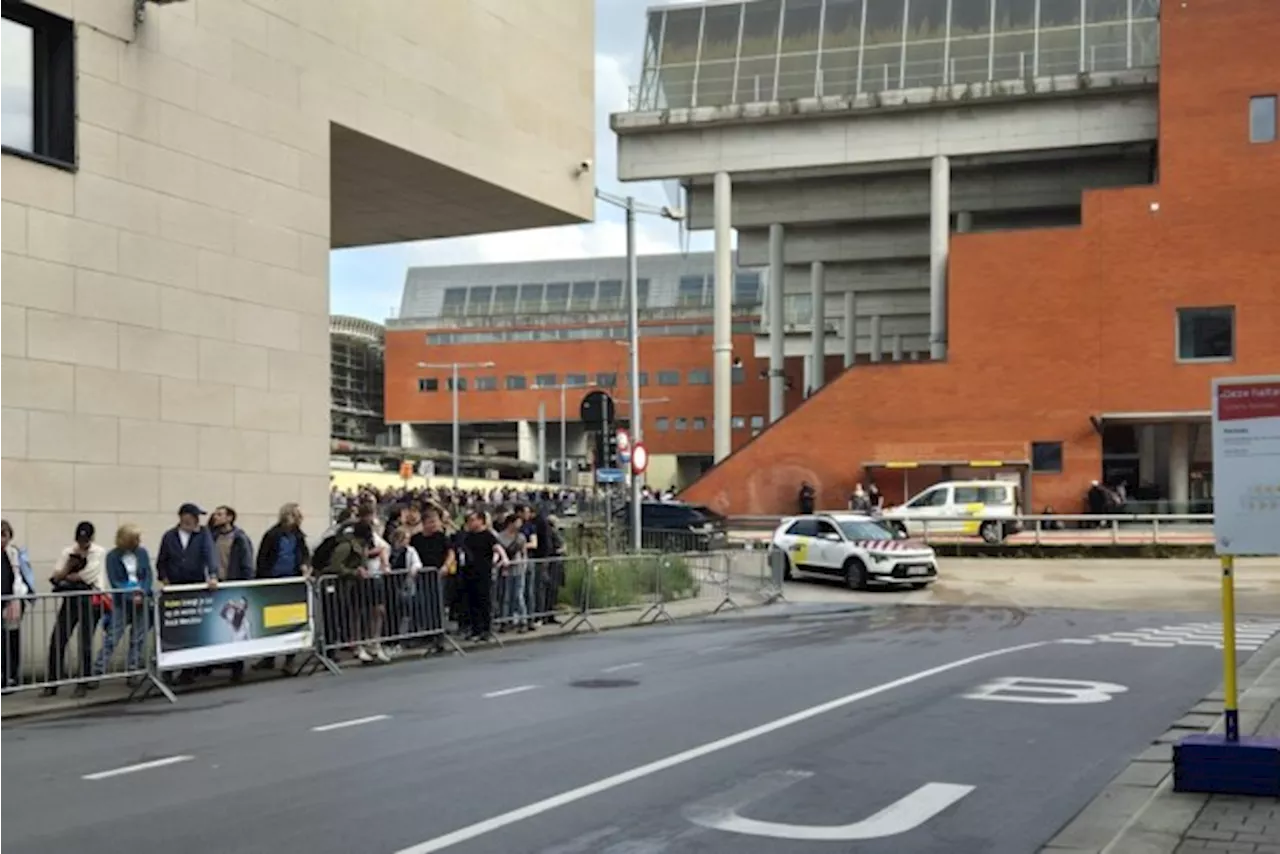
(19, 583)
(81, 573)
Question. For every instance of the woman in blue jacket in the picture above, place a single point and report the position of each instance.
(129, 578)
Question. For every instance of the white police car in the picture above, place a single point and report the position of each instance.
(854, 547)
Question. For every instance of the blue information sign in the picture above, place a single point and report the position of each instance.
(609, 476)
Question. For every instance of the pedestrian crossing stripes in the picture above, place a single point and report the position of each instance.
(1250, 635)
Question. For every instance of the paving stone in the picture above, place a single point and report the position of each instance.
(1210, 833)
(1156, 753)
(1144, 774)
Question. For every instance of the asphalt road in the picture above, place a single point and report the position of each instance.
(740, 735)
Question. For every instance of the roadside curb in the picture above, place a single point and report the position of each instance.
(1138, 812)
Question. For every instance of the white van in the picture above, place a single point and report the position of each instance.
(987, 508)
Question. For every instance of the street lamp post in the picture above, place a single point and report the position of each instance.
(454, 366)
(564, 440)
(632, 207)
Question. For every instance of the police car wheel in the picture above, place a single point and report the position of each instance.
(991, 532)
(855, 574)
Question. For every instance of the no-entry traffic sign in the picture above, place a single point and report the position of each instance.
(639, 458)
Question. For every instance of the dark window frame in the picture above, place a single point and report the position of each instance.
(428, 384)
(661, 423)
(1182, 311)
(664, 378)
(607, 380)
(516, 382)
(486, 383)
(698, 376)
(53, 86)
(1270, 103)
(462, 384)
(1047, 457)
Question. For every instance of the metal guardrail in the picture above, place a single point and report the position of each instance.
(1037, 530)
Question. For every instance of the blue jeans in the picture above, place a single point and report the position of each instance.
(125, 614)
(514, 604)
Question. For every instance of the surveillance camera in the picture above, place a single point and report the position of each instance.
(584, 166)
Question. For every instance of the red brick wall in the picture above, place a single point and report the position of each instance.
(1049, 327)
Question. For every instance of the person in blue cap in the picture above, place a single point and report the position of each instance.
(187, 556)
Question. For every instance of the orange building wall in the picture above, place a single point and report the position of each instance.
(404, 403)
(1049, 327)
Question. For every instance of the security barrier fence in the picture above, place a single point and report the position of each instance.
(146, 637)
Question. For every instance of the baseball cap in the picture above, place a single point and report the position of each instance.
(84, 531)
(190, 509)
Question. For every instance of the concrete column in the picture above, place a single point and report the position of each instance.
(1179, 466)
(939, 240)
(807, 375)
(964, 222)
(850, 328)
(1146, 455)
(817, 283)
(877, 346)
(526, 442)
(542, 441)
(777, 332)
(408, 436)
(897, 348)
(722, 315)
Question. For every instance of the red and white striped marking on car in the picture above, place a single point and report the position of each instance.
(890, 545)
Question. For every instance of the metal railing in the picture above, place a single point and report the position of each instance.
(1056, 529)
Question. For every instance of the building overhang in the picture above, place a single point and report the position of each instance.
(1161, 417)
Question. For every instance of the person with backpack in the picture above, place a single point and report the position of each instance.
(349, 562)
(283, 553)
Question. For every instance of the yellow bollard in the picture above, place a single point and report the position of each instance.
(1230, 692)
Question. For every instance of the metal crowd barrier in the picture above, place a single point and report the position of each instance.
(365, 614)
(78, 638)
(532, 593)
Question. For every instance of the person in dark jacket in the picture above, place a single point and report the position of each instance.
(283, 553)
(233, 551)
(187, 552)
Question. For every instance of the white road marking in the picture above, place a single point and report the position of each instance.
(1080, 641)
(345, 724)
(711, 649)
(141, 766)
(506, 691)
(902, 815)
(626, 666)
(604, 784)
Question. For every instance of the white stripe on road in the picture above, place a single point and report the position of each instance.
(141, 766)
(626, 666)
(606, 783)
(711, 649)
(506, 691)
(345, 724)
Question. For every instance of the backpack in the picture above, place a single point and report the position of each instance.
(323, 554)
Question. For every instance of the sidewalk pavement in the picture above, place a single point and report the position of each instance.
(29, 703)
(1139, 813)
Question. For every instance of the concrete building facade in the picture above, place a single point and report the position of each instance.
(1065, 203)
(174, 177)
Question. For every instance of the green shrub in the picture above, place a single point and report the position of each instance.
(623, 581)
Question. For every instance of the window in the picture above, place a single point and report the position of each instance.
(462, 383)
(517, 383)
(530, 299)
(668, 378)
(582, 296)
(757, 422)
(660, 423)
(738, 423)
(855, 530)
(478, 301)
(643, 375)
(606, 380)
(933, 498)
(699, 376)
(1046, 456)
(37, 49)
(546, 381)
(575, 380)
(557, 297)
(746, 289)
(1206, 334)
(486, 384)
(642, 293)
(455, 302)
(689, 292)
(739, 375)
(1262, 116)
(610, 295)
(804, 528)
(504, 299)
(699, 423)
(797, 309)
(428, 384)
(682, 423)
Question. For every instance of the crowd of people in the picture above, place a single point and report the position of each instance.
(509, 572)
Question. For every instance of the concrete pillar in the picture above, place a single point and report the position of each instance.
(1146, 455)
(807, 373)
(722, 315)
(850, 328)
(897, 348)
(817, 283)
(877, 346)
(542, 441)
(964, 222)
(939, 240)
(408, 436)
(526, 442)
(777, 332)
(1179, 466)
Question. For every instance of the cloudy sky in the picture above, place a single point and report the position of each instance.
(367, 282)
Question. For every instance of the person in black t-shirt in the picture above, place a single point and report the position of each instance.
(434, 549)
(480, 552)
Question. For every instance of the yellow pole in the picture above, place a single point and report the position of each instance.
(1230, 692)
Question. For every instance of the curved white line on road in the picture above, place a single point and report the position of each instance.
(498, 822)
(345, 724)
(519, 689)
(141, 766)
(626, 666)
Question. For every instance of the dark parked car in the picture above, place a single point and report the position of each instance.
(673, 526)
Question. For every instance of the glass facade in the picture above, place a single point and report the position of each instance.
(771, 50)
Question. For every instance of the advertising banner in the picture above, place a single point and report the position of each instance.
(240, 619)
(1246, 465)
